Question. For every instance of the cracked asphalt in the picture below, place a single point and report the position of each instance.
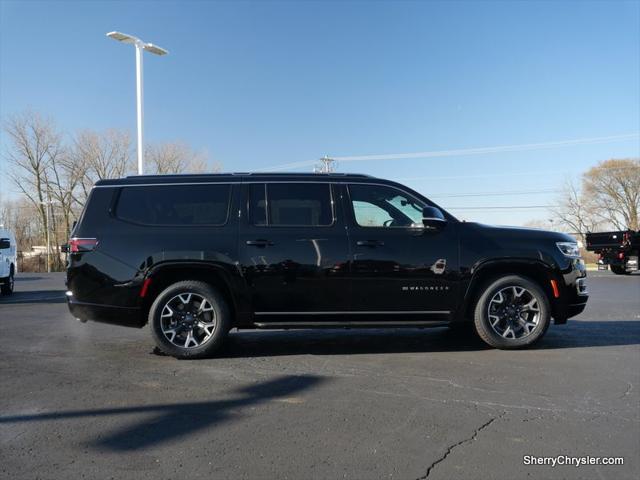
(94, 401)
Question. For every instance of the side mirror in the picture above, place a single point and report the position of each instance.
(433, 219)
(64, 248)
(5, 243)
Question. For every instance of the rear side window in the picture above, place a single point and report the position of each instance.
(291, 204)
(175, 204)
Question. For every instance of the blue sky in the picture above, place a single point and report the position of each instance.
(258, 84)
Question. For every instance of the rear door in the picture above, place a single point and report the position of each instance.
(293, 250)
(398, 267)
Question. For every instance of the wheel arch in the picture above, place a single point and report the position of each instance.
(163, 275)
(536, 270)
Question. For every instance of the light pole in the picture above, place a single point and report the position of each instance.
(140, 46)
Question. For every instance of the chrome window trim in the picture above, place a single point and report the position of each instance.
(240, 181)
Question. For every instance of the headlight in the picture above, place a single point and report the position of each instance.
(570, 249)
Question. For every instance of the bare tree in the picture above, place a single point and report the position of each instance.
(21, 217)
(64, 177)
(98, 156)
(608, 198)
(177, 157)
(574, 213)
(35, 144)
(612, 191)
(542, 224)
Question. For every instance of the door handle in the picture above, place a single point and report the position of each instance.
(259, 243)
(370, 243)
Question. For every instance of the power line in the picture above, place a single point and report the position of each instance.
(497, 149)
(493, 194)
(510, 207)
(510, 174)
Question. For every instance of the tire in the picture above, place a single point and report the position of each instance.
(618, 270)
(8, 284)
(182, 327)
(512, 312)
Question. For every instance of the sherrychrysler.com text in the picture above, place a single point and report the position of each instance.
(561, 460)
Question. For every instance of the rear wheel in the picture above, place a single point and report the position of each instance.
(189, 319)
(512, 312)
(7, 286)
(618, 270)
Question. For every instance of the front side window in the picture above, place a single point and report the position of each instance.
(290, 204)
(175, 204)
(382, 206)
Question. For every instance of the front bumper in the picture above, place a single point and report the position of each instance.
(574, 293)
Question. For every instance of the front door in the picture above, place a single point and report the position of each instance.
(294, 251)
(397, 265)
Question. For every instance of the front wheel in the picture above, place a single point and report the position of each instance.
(512, 312)
(189, 319)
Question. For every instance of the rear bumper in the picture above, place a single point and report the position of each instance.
(124, 316)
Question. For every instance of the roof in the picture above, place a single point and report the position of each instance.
(225, 177)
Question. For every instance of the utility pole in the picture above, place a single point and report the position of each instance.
(47, 205)
(327, 165)
(49, 213)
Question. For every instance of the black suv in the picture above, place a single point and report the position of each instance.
(198, 255)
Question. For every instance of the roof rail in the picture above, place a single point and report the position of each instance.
(267, 174)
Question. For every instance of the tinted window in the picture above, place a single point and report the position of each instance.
(380, 206)
(258, 202)
(291, 204)
(175, 204)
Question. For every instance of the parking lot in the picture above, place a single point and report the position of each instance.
(94, 401)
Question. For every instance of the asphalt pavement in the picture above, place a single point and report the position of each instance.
(95, 401)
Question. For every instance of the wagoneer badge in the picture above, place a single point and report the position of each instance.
(421, 288)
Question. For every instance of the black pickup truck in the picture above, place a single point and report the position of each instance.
(619, 250)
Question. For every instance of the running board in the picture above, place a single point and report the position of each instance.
(353, 324)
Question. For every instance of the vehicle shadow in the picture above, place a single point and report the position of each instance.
(576, 334)
(173, 421)
(36, 296)
(592, 333)
(26, 279)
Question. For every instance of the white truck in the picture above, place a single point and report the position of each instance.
(8, 261)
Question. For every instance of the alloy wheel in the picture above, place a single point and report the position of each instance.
(188, 320)
(513, 312)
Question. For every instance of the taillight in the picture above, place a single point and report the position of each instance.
(78, 245)
(621, 255)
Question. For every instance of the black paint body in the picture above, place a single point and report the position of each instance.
(341, 274)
